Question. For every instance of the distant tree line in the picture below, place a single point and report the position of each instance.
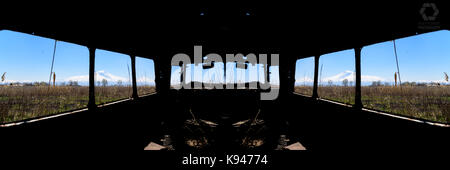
(379, 83)
(347, 83)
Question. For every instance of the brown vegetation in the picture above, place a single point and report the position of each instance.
(425, 102)
(23, 102)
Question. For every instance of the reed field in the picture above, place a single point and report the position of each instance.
(23, 102)
(305, 90)
(424, 102)
(431, 103)
(145, 89)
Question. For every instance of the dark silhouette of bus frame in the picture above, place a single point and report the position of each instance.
(290, 31)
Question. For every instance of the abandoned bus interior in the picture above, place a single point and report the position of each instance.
(185, 117)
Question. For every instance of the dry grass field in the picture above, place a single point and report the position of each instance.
(425, 102)
(23, 102)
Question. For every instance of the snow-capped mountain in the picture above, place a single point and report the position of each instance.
(100, 75)
(338, 78)
(349, 75)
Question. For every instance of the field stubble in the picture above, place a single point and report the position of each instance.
(425, 102)
(23, 102)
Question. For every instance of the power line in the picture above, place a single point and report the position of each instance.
(321, 68)
(398, 68)
(53, 61)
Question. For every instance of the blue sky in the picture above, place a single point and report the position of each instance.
(28, 58)
(422, 58)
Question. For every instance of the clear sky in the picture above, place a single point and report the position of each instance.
(422, 58)
(28, 58)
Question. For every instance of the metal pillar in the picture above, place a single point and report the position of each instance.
(162, 75)
(358, 103)
(287, 75)
(316, 76)
(91, 103)
(133, 76)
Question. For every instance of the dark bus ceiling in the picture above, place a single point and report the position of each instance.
(153, 30)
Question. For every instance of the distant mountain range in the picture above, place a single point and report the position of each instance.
(83, 80)
(338, 78)
(113, 79)
(350, 76)
(100, 75)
